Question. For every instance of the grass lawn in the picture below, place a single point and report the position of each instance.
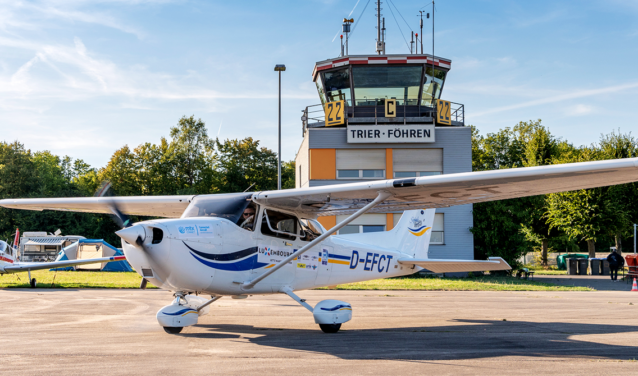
(111, 280)
(130, 280)
(487, 283)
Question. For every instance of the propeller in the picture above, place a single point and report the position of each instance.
(132, 234)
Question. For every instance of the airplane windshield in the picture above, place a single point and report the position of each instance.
(228, 206)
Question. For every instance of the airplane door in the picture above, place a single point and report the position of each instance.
(323, 271)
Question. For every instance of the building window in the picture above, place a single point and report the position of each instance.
(438, 230)
(358, 229)
(360, 174)
(363, 224)
(360, 163)
(411, 163)
(414, 174)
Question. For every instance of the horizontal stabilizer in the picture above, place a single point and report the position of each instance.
(24, 266)
(452, 266)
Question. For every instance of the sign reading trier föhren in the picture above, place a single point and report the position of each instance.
(365, 134)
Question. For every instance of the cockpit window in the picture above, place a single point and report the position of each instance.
(311, 229)
(228, 206)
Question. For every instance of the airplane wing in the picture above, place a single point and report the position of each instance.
(155, 206)
(406, 194)
(451, 189)
(24, 266)
(453, 266)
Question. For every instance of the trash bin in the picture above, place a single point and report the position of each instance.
(605, 268)
(582, 266)
(561, 260)
(572, 266)
(595, 266)
(632, 263)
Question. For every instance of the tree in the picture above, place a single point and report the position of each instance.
(242, 163)
(539, 148)
(625, 196)
(193, 151)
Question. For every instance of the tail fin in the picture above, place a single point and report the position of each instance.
(413, 232)
(410, 236)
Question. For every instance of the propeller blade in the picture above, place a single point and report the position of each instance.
(118, 217)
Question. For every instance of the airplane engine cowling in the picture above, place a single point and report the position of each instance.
(332, 312)
(177, 316)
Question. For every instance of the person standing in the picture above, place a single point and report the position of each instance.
(616, 262)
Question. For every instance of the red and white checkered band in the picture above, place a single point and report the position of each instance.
(366, 60)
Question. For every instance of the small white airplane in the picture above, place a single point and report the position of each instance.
(269, 242)
(10, 264)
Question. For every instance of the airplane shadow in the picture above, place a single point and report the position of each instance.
(468, 339)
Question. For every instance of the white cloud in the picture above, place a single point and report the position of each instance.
(560, 98)
(578, 110)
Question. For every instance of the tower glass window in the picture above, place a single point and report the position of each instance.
(374, 84)
(432, 86)
(337, 85)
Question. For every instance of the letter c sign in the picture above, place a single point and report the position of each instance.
(390, 108)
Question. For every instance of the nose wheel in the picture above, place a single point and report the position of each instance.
(173, 329)
(330, 328)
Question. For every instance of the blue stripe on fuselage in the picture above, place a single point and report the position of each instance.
(332, 255)
(245, 264)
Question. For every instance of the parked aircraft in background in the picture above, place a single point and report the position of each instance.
(269, 242)
(10, 264)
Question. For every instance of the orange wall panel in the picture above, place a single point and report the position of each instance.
(389, 221)
(389, 173)
(328, 222)
(323, 164)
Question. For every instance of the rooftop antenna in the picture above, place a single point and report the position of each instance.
(383, 34)
(380, 42)
(346, 30)
(421, 25)
(412, 41)
(341, 36)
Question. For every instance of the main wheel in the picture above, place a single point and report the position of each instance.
(173, 329)
(33, 283)
(330, 328)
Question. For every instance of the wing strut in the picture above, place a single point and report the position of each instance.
(380, 198)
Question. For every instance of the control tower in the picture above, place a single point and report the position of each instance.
(384, 117)
(413, 83)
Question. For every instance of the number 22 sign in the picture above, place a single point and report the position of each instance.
(335, 113)
(443, 112)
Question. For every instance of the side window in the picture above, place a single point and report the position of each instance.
(279, 225)
(311, 229)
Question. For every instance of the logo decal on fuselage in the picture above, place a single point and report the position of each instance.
(417, 228)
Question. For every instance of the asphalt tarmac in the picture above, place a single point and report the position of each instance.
(399, 332)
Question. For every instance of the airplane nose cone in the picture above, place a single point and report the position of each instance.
(131, 234)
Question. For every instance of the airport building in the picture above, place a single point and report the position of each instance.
(382, 117)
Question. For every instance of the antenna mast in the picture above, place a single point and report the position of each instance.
(380, 41)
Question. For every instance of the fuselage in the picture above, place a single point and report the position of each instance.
(214, 256)
(6, 256)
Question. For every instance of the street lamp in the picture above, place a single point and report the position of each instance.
(279, 68)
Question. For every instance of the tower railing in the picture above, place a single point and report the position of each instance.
(375, 114)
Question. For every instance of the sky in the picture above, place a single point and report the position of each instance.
(84, 78)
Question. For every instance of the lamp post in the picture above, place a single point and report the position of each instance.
(279, 68)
